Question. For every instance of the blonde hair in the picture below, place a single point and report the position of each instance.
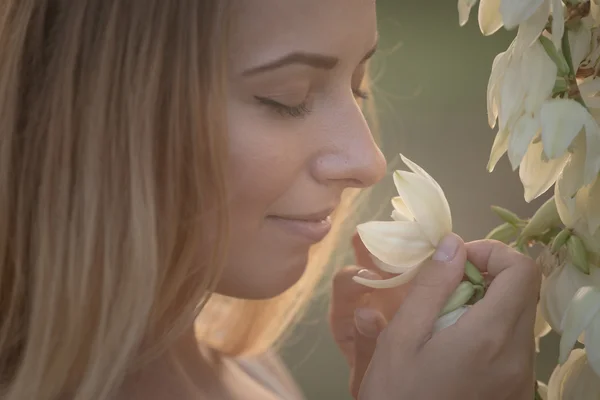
(112, 159)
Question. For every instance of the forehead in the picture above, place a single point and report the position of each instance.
(267, 28)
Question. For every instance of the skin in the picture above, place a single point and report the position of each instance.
(293, 161)
(297, 139)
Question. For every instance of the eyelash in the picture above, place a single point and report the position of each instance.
(302, 109)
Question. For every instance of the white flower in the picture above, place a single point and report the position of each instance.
(533, 14)
(520, 82)
(559, 288)
(421, 218)
(551, 144)
(537, 173)
(567, 125)
(580, 212)
(541, 327)
(583, 316)
(574, 380)
(592, 210)
(580, 39)
(543, 390)
(519, 86)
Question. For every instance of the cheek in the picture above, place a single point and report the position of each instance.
(264, 162)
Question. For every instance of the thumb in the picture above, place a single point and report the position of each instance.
(368, 325)
(433, 285)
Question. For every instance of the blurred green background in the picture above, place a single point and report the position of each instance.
(430, 87)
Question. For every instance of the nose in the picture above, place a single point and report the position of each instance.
(351, 157)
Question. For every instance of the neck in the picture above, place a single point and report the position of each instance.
(186, 368)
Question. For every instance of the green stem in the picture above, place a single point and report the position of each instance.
(566, 49)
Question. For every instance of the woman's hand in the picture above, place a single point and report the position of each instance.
(358, 314)
(488, 354)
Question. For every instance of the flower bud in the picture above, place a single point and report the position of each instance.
(473, 273)
(459, 298)
(507, 216)
(503, 233)
(560, 240)
(578, 254)
(546, 217)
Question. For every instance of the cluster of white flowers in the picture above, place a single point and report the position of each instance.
(544, 97)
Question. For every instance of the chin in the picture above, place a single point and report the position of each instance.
(263, 281)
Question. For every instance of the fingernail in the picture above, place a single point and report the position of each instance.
(366, 322)
(368, 274)
(447, 248)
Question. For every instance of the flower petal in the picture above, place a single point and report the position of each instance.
(514, 12)
(523, 133)
(421, 172)
(541, 327)
(557, 291)
(425, 202)
(582, 309)
(499, 147)
(489, 16)
(592, 210)
(401, 212)
(543, 390)
(579, 41)
(558, 22)
(592, 347)
(574, 380)
(390, 282)
(562, 120)
(531, 29)
(567, 204)
(571, 179)
(494, 84)
(402, 245)
(539, 75)
(512, 93)
(592, 147)
(537, 175)
(464, 9)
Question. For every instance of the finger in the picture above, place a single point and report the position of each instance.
(430, 290)
(346, 293)
(368, 325)
(492, 256)
(514, 289)
(386, 300)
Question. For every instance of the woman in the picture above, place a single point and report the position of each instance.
(156, 152)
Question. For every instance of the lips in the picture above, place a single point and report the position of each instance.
(309, 217)
(308, 227)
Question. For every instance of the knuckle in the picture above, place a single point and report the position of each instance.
(531, 272)
(496, 243)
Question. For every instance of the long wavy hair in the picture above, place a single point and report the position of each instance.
(112, 161)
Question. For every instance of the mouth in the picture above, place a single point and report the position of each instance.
(310, 227)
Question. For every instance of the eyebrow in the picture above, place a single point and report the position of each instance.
(314, 60)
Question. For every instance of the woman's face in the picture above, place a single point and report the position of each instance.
(297, 135)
